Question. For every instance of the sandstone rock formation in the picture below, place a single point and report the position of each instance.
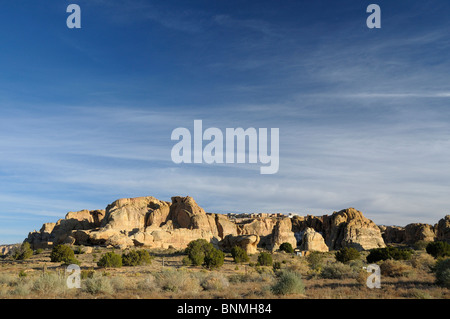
(282, 233)
(61, 231)
(443, 229)
(346, 228)
(417, 231)
(392, 234)
(150, 222)
(313, 241)
(247, 242)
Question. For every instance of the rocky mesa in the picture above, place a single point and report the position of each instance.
(153, 223)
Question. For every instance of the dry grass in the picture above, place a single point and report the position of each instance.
(42, 279)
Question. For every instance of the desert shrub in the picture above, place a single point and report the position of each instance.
(239, 254)
(315, 260)
(197, 250)
(265, 259)
(214, 281)
(420, 245)
(110, 259)
(423, 261)
(87, 273)
(23, 287)
(50, 283)
(61, 253)
(149, 283)
(337, 270)
(136, 258)
(98, 284)
(378, 254)
(276, 265)
(288, 282)
(23, 252)
(177, 281)
(38, 251)
(346, 254)
(442, 272)
(395, 268)
(438, 249)
(214, 258)
(186, 261)
(287, 247)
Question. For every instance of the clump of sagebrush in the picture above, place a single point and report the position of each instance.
(50, 283)
(288, 282)
(136, 258)
(64, 254)
(110, 260)
(98, 284)
(386, 253)
(239, 254)
(395, 268)
(315, 260)
(287, 247)
(346, 254)
(265, 259)
(442, 272)
(176, 281)
(438, 249)
(23, 252)
(337, 270)
(214, 281)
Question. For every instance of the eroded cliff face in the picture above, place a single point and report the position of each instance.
(346, 228)
(150, 222)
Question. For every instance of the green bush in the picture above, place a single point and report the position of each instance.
(276, 265)
(315, 260)
(442, 272)
(23, 252)
(265, 259)
(197, 250)
(239, 255)
(346, 254)
(214, 258)
(136, 258)
(386, 253)
(98, 284)
(110, 259)
(287, 247)
(438, 249)
(288, 282)
(62, 253)
(337, 270)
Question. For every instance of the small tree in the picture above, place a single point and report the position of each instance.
(197, 250)
(239, 254)
(110, 259)
(287, 247)
(214, 258)
(136, 258)
(265, 259)
(386, 253)
(346, 254)
(23, 252)
(438, 249)
(315, 260)
(442, 271)
(61, 253)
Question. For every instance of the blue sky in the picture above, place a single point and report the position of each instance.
(87, 114)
